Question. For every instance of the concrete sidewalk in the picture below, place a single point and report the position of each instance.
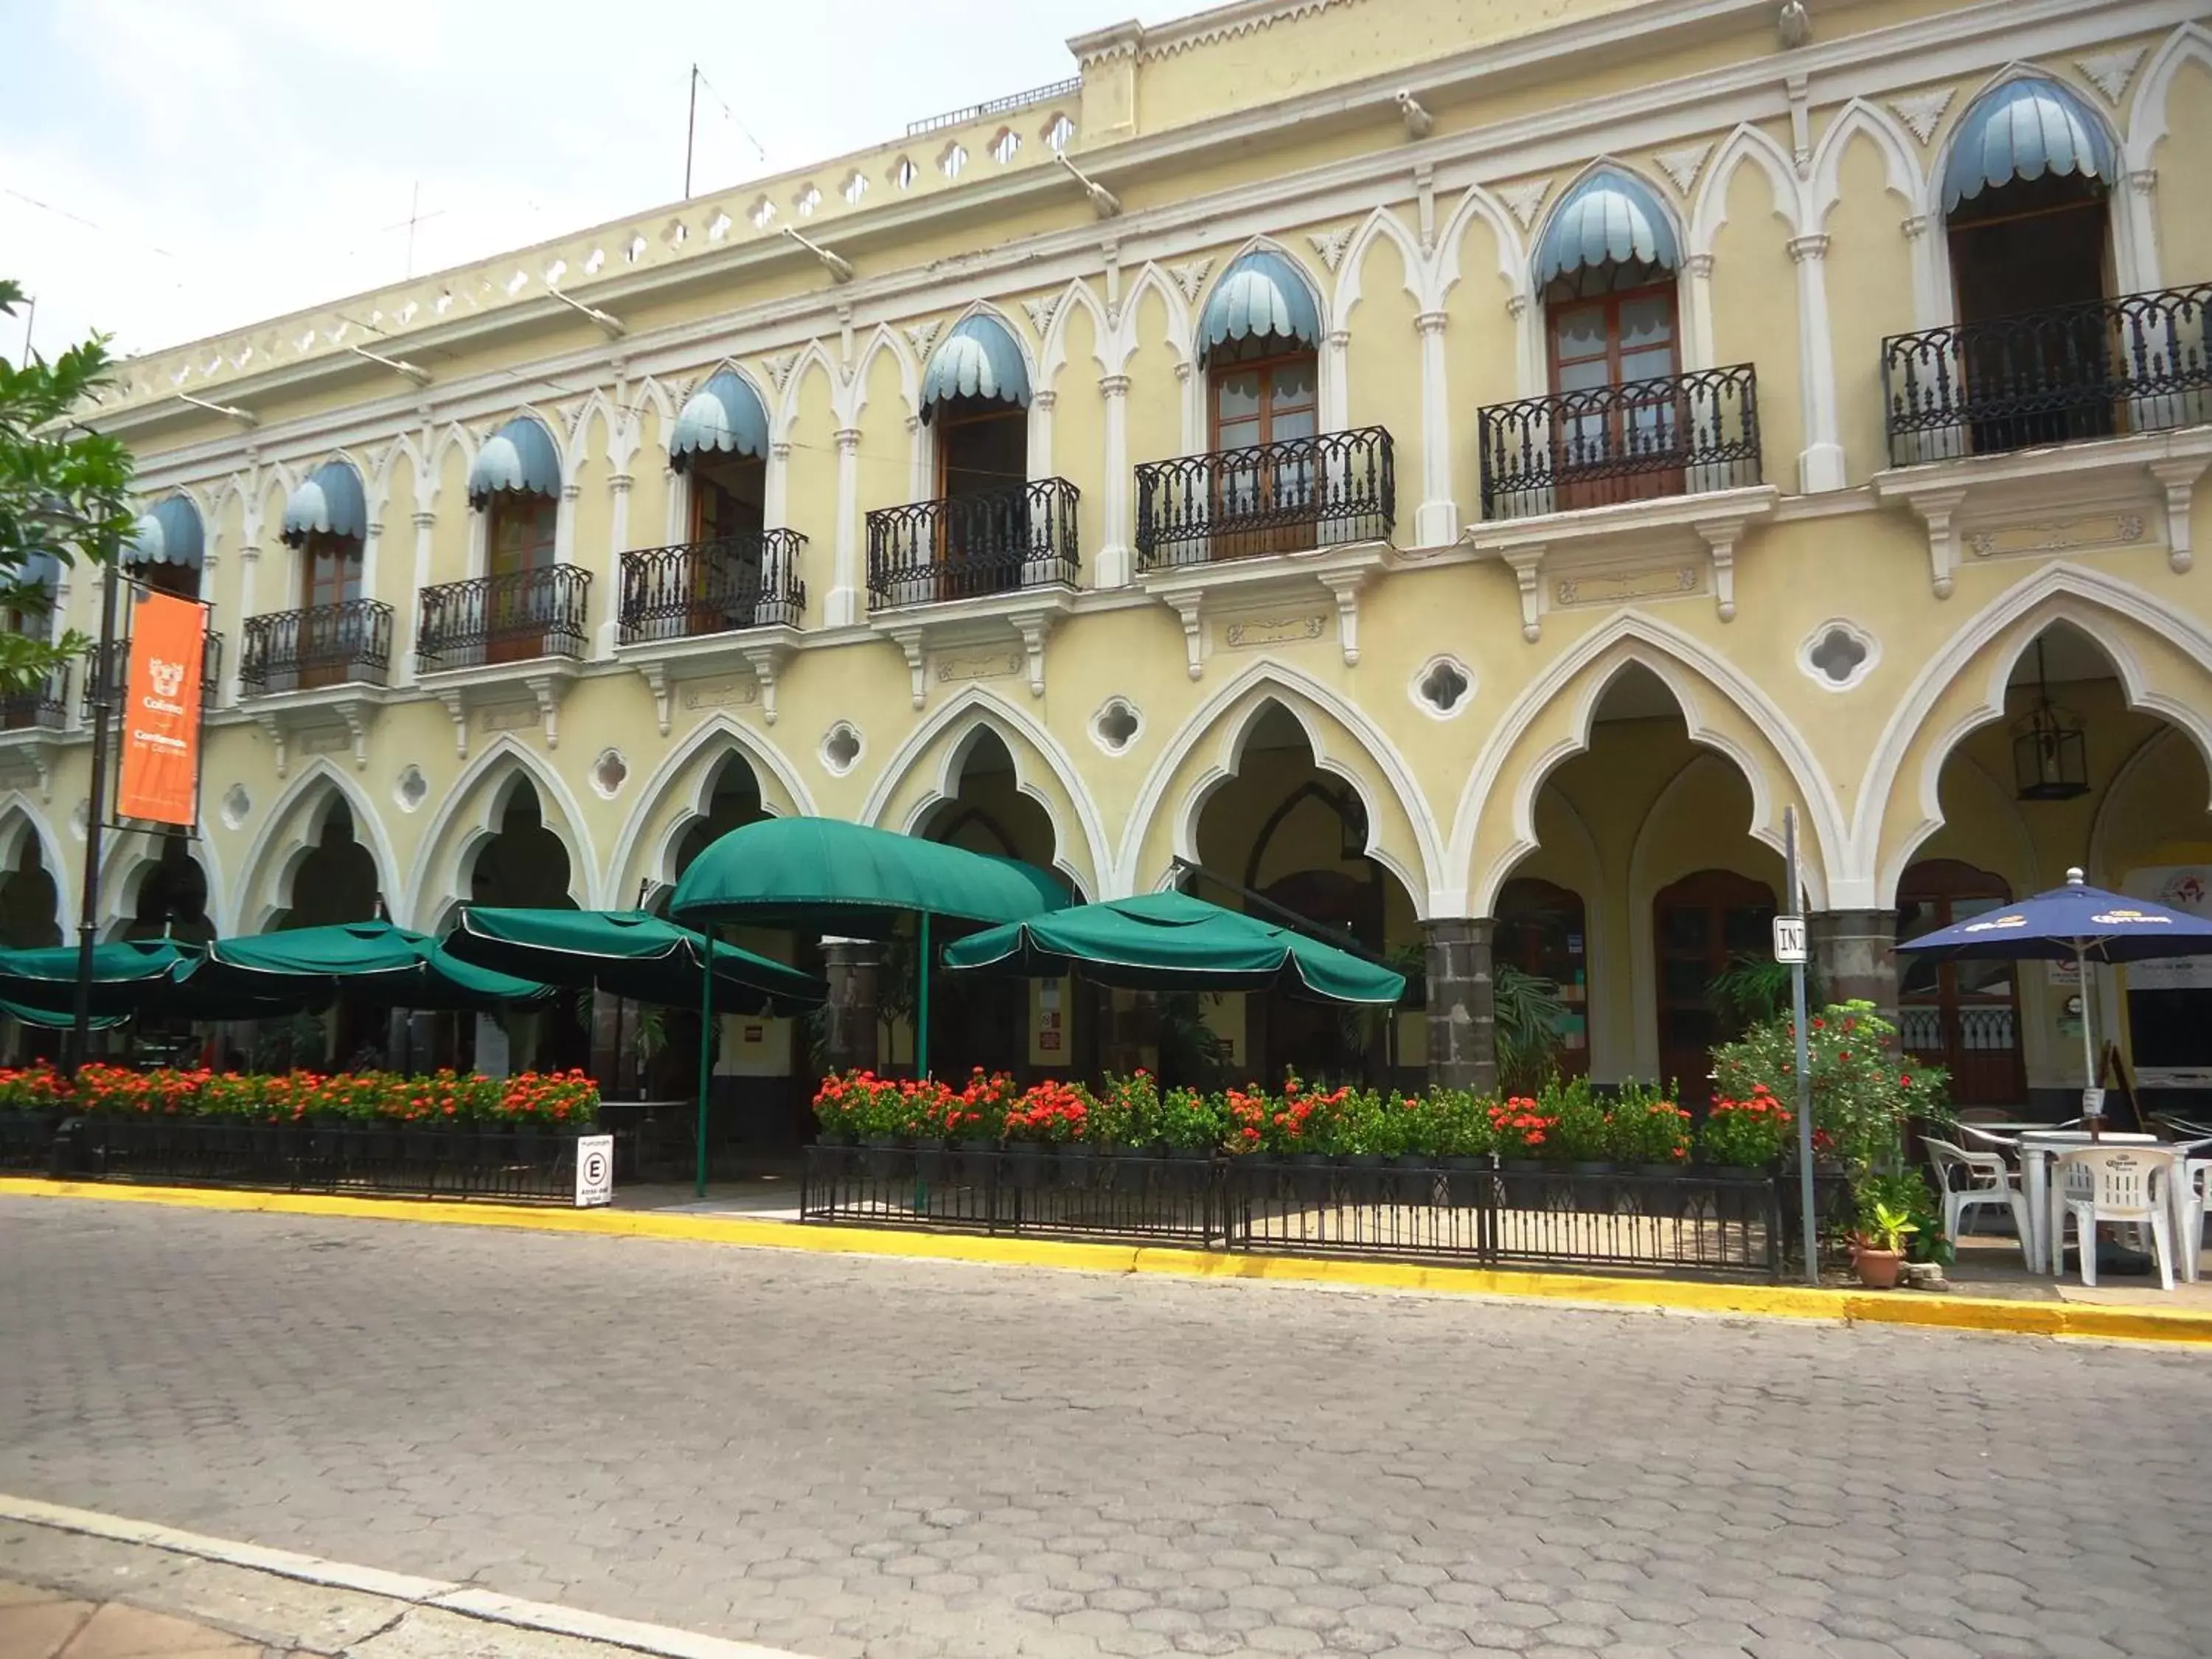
(75, 1584)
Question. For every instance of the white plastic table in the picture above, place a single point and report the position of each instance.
(2039, 1147)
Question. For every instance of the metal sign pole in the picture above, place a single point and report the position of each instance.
(1799, 1024)
(102, 666)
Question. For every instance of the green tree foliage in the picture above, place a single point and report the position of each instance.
(64, 490)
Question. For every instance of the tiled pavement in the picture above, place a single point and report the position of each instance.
(847, 1456)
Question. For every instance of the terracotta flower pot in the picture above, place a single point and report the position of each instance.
(1878, 1269)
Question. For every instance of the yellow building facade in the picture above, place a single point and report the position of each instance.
(1461, 471)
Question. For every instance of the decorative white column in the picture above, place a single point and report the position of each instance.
(775, 492)
(426, 522)
(1524, 349)
(564, 525)
(1928, 310)
(844, 608)
(1820, 467)
(1042, 405)
(1436, 523)
(1116, 558)
(2142, 235)
(1335, 394)
(618, 485)
(1700, 349)
(1193, 417)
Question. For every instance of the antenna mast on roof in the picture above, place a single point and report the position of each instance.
(690, 130)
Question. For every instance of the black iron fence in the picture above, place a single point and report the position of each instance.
(1473, 1211)
(716, 586)
(976, 545)
(1287, 497)
(1680, 434)
(43, 707)
(112, 670)
(324, 645)
(2142, 363)
(505, 618)
(514, 1164)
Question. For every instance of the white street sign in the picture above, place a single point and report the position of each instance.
(595, 1171)
(1789, 939)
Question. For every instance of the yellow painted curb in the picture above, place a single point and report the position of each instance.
(1960, 1313)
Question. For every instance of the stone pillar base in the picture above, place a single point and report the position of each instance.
(1462, 1015)
(1854, 957)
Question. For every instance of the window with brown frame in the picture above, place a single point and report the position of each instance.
(982, 465)
(330, 576)
(729, 513)
(1613, 326)
(519, 537)
(1263, 393)
(1964, 1016)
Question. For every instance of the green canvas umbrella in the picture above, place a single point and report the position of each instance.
(373, 960)
(627, 953)
(152, 977)
(57, 1019)
(831, 877)
(1172, 942)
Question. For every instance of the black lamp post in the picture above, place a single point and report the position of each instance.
(106, 693)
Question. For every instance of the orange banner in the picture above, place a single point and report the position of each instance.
(160, 776)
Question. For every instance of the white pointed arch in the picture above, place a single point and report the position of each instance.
(2151, 752)
(1052, 351)
(977, 710)
(811, 355)
(660, 396)
(1709, 212)
(291, 830)
(1381, 225)
(885, 339)
(690, 766)
(1900, 160)
(469, 815)
(1692, 672)
(1182, 324)
(450, 437)
(1513, 249)
(2146, 123)
(576, 453)
(1218, 719)
(2091, 601)
(128, 858)
(21, 819)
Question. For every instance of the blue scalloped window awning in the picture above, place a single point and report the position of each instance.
(519, 457)
(724, 417)
(1610, 217)
(330, 503)
(2023, 129)
(170, 534)
(1260, 294)
(979, 359)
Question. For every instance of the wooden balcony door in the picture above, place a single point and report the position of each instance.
(1260, 394)
(330, 578)
(519, 539)
(1699, 926)
(729, 512)
(1964, 1016)
(1610, 339)
(982, 465)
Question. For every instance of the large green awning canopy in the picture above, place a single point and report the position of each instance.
(834, 876)
(158, 977)
(372, 960)
(1172, 942)
(629, 953)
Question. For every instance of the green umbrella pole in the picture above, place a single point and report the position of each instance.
(922, 1005)
(706, 1053)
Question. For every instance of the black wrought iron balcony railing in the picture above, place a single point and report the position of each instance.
(2142, 363)
(1680, 434)
(43, 707)
(112, 670)
(976, 545)
(350, 644)
(1285, 497)
(505, 618)
(714, 587)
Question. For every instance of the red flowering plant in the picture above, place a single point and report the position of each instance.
(1523, 1128)
(861, 1104)
(1054, 1113)
(33, 1088)
(548, 1099)
(111, 1089)
(979, 1111)
(1747, 1134)
(1863, 1091)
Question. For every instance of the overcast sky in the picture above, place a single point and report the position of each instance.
(174, 168)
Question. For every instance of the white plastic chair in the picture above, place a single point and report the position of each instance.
(1971, 1179)
(2195, 1201)
(2125, 1185)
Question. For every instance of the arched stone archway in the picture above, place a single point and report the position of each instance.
(30, 900)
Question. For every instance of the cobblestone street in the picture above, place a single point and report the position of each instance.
(876, 1457)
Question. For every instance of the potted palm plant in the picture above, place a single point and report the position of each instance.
(1878, 1246)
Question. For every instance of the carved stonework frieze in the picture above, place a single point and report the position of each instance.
(2112, 70)
(1684, 165)
(1617, 589)
(2068, 535)
(1190, 277)
(922, 336)
(731, 691)
(779, 366)
(994, 665)
(1252, 632)
(1041, 310)
(1523, 200)
(513, 717)
(326, 741)
(1921, 111)
(1331, 243)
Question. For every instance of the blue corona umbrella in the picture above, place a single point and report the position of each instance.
(2077, 920)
